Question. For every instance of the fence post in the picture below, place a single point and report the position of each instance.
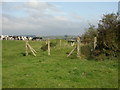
(95, 42)
(26, 48)
(60, 42)
(71, 52)
(48, 47)
(78, 47)
(46, 41)
(31, 49)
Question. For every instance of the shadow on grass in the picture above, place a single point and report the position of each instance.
(24, 54)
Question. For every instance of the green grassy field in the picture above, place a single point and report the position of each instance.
(55, 71)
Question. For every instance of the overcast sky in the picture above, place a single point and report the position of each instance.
(52, 18)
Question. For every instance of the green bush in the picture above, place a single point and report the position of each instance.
(45, 47)
(86, 51)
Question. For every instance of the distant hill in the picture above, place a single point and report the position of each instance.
(60, 37)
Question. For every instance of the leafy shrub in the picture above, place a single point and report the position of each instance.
(86, 51)
(45, 47)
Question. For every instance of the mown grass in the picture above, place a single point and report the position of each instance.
(55, 71)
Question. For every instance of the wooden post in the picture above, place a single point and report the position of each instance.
(26, 48)
(31, 49)
(73, 44)
(48, 47)
(46, 41)
(78, 47)
(60, 42)
(95, 42)
(71, 52)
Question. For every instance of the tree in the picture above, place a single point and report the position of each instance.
(108, 34)
(90, 34)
